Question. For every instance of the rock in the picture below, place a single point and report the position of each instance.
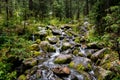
(81, 64)
(38, 74)
(52, 39)
(35, 47)
(31, 71)
(113, 66)
(56, 32)
(22, 77)
(50, 27)
(61, 71)
(77, 39)
(98, 54)
(66, 45)
(95, 45)
(37, 41)
(76, 52)
(63, 59)
(36, 53)
(46, 47)
(30, 62)
(66, 27)
(101, 73)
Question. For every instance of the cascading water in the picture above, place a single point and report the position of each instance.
(48, 62)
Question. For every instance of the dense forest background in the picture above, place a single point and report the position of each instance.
(19, 20)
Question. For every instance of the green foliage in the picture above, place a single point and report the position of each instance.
(5, 73)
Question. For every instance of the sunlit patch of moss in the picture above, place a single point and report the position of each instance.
(71, 64)
(22, 77)
(36, 53)
(75, 52)
(38, 41)
(80, 67)
(77, 39)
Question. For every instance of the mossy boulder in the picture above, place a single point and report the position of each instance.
(37, 41)
(81, 64)
(47, 47)
(30, 62)
(52, 39)
(34, 47)
(66, 45)
(63, 59)
(22, 77)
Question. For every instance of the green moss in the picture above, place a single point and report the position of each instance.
(77, 39)
(60, 61)
(75, 52)
(22, 77)
(36, 53)
(80, 67)
(38, 41)
(71, 64)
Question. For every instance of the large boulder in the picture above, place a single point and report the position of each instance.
(81, 64)
(47, 47)
(63, 59)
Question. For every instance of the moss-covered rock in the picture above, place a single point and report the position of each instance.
(77, 39)
(63, 59)
(37, 41)
(76, 52)
(81, 64)
(66, 46)
(30, 62)
(101, 73)
(22, 77)
(36, 53)
(34, 47)
(52, 39)
(47, 47)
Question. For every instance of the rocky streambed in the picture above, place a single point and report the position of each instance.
(62, 54)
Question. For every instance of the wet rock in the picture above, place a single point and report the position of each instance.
(22, 77)
(30, 62)
(63, 59)
(52, 39)
(81, 64)
(56, 32)
(38, 74)
(98, 54)
(66, 45)
(61, 71)
(101, 73)
(34, 47)
(47, 47)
